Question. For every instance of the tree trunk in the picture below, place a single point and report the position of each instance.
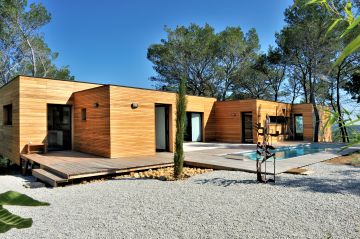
(276, 96)
(341, 124)
(33, 57)
(180, 128)
(317, 122)
(316, 111)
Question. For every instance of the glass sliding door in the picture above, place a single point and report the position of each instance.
(162, 127)
(299, 127)
(247, 128)
(193, 127)
(196, 127)
(59, 127)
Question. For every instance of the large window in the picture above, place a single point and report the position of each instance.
(7, 114)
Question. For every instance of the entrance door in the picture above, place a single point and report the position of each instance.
(196, 127)
(59, 127)
(193, 127)
(299, 127)
(247, 128)
(162, 127)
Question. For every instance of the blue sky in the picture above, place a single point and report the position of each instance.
(106, 41)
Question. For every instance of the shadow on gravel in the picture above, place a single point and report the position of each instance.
(323, 185)
(342, 181)
(224, 182)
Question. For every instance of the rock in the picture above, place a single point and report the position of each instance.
(34, 185)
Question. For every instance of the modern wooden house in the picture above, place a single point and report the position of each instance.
(235, 121)
(118, 122)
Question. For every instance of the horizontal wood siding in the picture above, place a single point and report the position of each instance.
(9, 134)
(35, 94)
(307, 112)
(115, 129)
(228, 119)
(133, 130)
(93, 134)
(270, 108)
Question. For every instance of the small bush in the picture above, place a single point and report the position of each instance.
(4, 162)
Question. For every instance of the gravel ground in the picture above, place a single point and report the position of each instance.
(220, 204)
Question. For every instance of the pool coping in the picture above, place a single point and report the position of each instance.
(211, 159)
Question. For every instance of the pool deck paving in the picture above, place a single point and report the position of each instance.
(215, 157)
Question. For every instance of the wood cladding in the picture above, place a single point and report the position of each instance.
(9, 134)
(115, 129)
(133, 130)
(92, 134)
(228, 119)
(306, 110)
(34, 96)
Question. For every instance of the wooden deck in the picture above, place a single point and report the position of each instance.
(73, 165)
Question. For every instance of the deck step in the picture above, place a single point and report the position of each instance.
(48, 177)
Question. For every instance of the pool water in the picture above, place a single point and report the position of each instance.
(287, 152)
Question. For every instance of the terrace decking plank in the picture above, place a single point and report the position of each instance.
(79, 165)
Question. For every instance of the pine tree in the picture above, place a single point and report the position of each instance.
(180, 128)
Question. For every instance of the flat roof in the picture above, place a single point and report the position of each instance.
(101, 84)
(140, 88)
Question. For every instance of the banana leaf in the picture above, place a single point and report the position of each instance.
(18, 199)
(9, 220)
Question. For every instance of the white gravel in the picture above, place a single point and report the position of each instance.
(220, 204)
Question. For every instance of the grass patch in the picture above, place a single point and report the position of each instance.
(352, 159)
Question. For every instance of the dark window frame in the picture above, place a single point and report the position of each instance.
(8, 115)
(278, 119)
(83, 114)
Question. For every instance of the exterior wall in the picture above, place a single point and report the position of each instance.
(133, 130)
(228, 119)
(93, 134)
(307, 111)
(35, 94)
(271, 108)
(115, 129)
(229, 125)
(9, 134)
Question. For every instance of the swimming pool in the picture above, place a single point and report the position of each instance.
(283, 152)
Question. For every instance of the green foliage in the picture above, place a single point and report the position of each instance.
(180, 128)
(211, 62)
(308, 52)
(348, 121)
(9, 220)
(23, 50)
(353, 86)
(342, 15)
(353, 46)
(4, 163)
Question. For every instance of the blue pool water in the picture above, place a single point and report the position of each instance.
(287, 152)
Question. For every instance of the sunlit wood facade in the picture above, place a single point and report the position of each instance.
(116, 121)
